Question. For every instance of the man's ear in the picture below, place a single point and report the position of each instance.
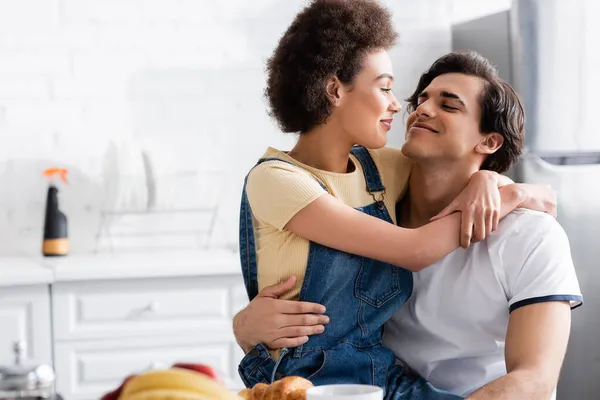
(490, 143)
(333, 90)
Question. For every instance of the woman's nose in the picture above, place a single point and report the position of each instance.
(395, 105)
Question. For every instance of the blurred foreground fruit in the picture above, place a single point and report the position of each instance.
(175, 384)
(201, 368)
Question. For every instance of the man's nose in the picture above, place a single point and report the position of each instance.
(425, 109)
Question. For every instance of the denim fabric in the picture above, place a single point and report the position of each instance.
(360, 294)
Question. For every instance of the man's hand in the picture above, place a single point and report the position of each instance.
(278, 323)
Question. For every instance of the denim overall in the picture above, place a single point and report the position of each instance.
(360, 295)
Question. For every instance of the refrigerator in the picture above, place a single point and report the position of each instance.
(548, 51)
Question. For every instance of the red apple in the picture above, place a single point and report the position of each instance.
(200, 368)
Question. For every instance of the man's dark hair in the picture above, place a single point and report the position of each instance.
(501, 107)
(327, 38)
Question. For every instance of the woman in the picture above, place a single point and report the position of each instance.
(325, 211)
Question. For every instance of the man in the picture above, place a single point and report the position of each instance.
(491, 321)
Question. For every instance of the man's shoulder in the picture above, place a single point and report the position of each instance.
(524, 222)
(524, 232)
(518, 234)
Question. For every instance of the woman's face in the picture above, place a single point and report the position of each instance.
(366, 107)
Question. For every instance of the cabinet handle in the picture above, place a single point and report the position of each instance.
(153, 307)
(19, 348)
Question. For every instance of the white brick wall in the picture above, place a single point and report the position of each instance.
(112, 89)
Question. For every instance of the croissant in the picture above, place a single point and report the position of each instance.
(289, 388)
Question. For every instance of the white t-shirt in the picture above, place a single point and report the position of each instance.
(452, 329)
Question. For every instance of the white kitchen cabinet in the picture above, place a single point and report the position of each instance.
(87, 369)
(128, 315)
(25, 316)
(143, 307)
(100, 318)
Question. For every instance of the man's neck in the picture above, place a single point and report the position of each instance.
(431, 189)
(325, 147)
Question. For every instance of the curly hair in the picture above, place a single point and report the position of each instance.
(327, 38)
(501, 107)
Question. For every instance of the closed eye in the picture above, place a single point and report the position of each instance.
(386, 90)
(449, 107)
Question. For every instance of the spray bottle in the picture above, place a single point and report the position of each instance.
(56, 240)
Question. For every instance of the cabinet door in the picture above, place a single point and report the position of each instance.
(168, 306)
(25, 316)
(88, 369)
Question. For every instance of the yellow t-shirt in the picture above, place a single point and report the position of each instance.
(277, 191)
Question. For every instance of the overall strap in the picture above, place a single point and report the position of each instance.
(247, 246)
(247, 241)
(372, 177)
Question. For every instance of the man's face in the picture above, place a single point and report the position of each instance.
(445, 125)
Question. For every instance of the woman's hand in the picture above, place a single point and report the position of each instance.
(538, 198)
(480, 205)
(278, 323)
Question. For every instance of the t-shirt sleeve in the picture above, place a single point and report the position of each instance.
(538, 264)
(277, 191)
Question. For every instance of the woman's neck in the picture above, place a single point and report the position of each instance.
(324, 148)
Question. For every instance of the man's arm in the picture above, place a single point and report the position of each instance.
(278, 323)
(536, 342)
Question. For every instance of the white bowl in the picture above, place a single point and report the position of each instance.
(345, 392)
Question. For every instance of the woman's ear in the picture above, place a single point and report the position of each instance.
(333, 90)
(490, 143)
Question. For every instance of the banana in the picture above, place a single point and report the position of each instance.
(167, 394)
(177, 379)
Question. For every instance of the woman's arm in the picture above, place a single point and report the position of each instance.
(331, 223)
(279, 323)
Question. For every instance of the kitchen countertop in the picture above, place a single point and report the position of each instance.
(25, 271)
(144, 265)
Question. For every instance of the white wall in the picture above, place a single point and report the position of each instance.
(156, 109)
(465, 10)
